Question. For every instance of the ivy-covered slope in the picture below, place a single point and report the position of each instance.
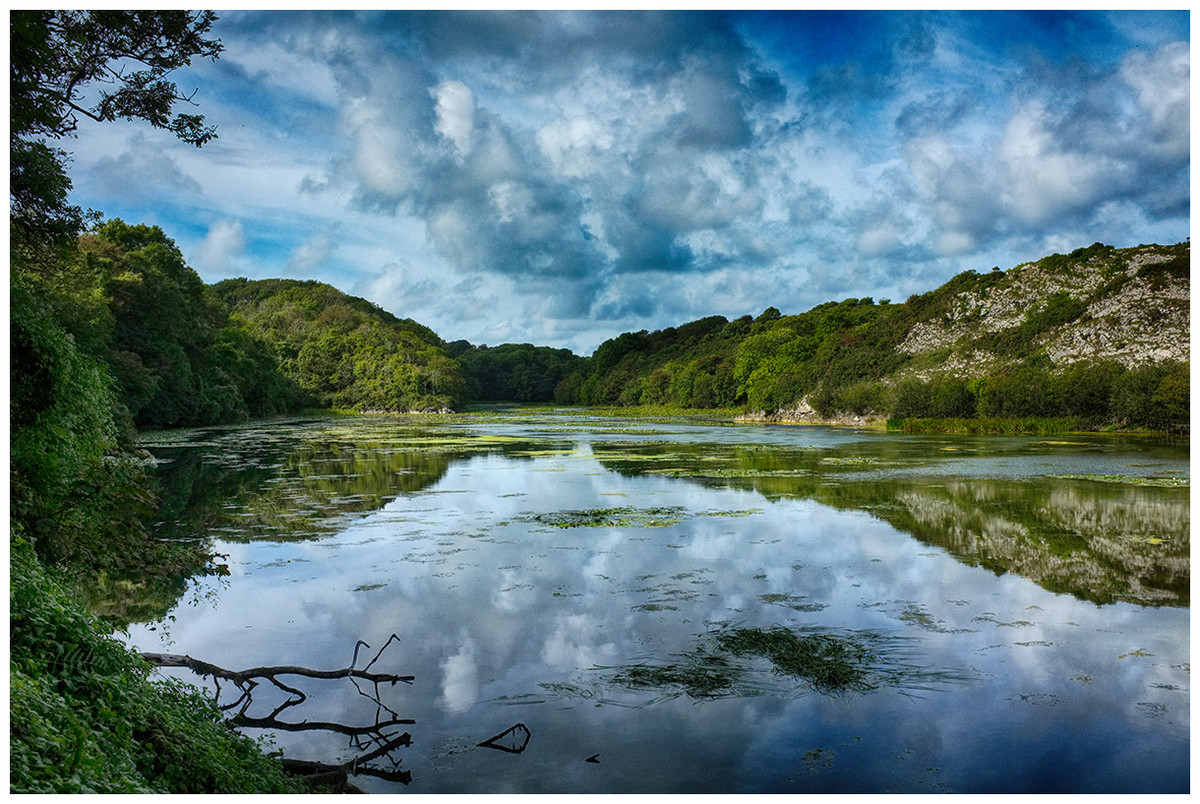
(344, 351)
(1100, 335)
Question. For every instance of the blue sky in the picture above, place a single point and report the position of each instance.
(561, 177)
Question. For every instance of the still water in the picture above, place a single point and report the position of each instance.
(687, 605)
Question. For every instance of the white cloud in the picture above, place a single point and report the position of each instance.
(1161, 81)
(377, 151)
(455, 114)
(575, 146)
(310, 255)
(1044, 179)
(221, 248)
(276, 64)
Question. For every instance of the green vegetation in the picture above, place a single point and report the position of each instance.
(87, 718)
(985, 426)
(727, 663)
(343, 351)
(111, 331)
(826, 661)
(844, 358)
(107, 329)
(513, 372)
(624, 517)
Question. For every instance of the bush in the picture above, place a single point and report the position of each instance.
(85, 717)
(1018, 394)
(912, 399)
(1085, 390)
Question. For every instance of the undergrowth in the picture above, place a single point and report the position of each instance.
(86, 716)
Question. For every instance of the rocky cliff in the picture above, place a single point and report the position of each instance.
(1129, 305)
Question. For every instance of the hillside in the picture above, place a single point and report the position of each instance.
(1130, 305)
(343, 351)
(1101, 335)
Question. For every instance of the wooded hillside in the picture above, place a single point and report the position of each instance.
(1100, 334)
(344, 351)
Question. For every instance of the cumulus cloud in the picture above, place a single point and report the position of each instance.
(1161, 81)
(221, 248)
(310, 255)
(585, 172)
(143, 171)
(455, 111)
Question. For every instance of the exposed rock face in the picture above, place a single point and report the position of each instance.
(1134, 313)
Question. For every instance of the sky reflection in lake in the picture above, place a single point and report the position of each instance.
(525, 573)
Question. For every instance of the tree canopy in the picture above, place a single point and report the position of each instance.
(344, 351)
(103, 65)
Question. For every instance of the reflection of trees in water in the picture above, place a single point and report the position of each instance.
(1096, 541)
(1104, 545)
(305, 493)
(262, 481)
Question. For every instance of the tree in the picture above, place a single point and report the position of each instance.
(57, 58)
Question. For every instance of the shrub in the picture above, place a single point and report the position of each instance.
(85, 716)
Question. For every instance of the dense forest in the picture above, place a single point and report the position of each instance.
(513, 372)
(343, 351)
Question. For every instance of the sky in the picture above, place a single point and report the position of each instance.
(558, 178)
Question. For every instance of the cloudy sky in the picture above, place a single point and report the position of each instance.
(559, 178)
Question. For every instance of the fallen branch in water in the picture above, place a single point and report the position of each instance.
(374, 736)
(208, 669)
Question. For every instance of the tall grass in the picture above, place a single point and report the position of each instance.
(1029, 425)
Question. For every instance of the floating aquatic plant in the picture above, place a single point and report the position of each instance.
(729, 663)
(1132, 480)
(627, 517)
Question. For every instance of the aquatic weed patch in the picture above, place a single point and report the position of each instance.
(828, 662)
(626, 517)
(1132, 480)
(610, 517)
(698, 676)
(797, 602)
(741, 662)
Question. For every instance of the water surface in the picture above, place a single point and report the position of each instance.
(1013, 612)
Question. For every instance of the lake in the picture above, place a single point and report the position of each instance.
(693, 605)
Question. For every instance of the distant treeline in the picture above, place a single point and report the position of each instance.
(181, 353)
(513, 372)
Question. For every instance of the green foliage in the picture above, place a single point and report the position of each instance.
(80, 498)
(513, 372)
(691, 365)
(60, 410)
(343, 351)
(85, 717)
(1056, 263)
(58, 60)
(985, 426)
(1016, 394)
(1055, 311)
(829, 662)
(1154, 396)
(846, 358)
(128, 296)
(1084, 390)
